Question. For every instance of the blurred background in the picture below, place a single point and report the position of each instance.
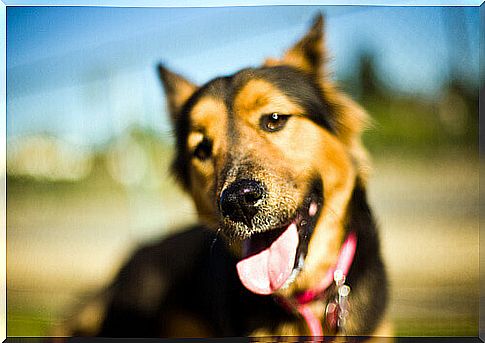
(88, 143)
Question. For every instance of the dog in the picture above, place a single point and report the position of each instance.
(286, 243)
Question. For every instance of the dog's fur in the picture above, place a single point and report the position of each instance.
(187, 285)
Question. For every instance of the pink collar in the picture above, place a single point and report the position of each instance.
(301, 301)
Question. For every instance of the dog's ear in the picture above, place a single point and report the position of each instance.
(177, 89)
(308, 53)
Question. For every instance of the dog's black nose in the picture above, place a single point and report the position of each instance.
(239, 200)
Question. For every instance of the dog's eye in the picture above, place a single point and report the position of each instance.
(273, 122)
(203, 150)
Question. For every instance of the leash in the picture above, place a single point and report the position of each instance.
(337, 310)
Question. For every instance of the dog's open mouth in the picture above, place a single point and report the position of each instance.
(272, 259)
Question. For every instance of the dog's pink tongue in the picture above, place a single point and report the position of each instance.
(267, 271)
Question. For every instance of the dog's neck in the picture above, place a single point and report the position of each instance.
(337, 273)
(366, 275)
(301, 302)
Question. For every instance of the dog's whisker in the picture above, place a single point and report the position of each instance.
(215, 240)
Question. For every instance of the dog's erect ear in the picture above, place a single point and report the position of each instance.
(177, 89)
(308, 53)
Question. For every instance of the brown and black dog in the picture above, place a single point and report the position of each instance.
(272, 157)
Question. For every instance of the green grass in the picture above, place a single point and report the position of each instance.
(446, 326)
(28, 323)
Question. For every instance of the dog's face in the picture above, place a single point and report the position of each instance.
(270, 156)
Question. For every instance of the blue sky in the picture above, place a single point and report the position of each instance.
(86, 73)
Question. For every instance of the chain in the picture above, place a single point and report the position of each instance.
(337, 311)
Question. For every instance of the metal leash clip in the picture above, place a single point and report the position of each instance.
(337, 310)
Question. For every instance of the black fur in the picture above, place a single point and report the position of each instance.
(195, 272)
(190, 278)
(299, 86)
(302, 89)
(367, 276)
(196, 275)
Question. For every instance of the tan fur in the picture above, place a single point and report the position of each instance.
(352, 119)
(208, 114)
(282, 163)
(208, 120)
(338, 177)
(280, 154)
(178, 91)
(312, 44)
(338, 159)
(284, 160)
(193, 139)
(185, 91)
(342, 158)
(258, 97)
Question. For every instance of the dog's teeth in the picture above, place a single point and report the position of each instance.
(312, 210)
(301, 261)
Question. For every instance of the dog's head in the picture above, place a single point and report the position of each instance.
(270, 156)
